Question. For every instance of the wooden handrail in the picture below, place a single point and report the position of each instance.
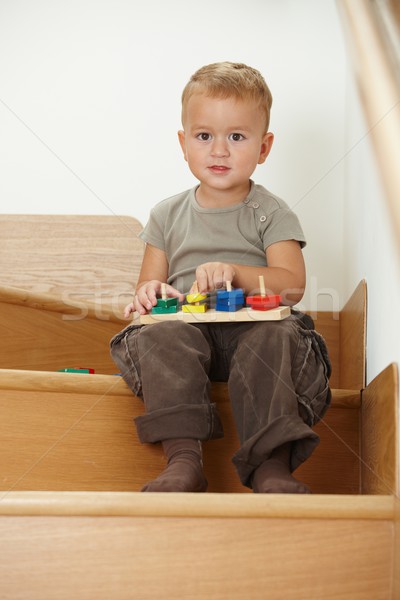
(378, 83)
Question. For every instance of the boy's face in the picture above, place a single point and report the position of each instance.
(223, 141)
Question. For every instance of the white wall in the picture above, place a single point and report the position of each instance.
(369, 241)
(90, 105)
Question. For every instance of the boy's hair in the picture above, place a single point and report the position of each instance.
(228, 79)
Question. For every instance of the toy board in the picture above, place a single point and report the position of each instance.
(216, 316)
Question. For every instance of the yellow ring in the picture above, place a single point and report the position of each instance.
(192, 298)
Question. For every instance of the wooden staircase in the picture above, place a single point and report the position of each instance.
(72, 523)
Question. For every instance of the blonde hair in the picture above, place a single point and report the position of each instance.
(228, 79)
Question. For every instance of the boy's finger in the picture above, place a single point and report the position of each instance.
(152, 296)
(202, 280)
(128, 310)
(171, 291)
(217, 279)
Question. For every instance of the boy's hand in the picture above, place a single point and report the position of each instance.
(146, 297)
(213, 276)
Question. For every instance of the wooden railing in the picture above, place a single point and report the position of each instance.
(372, 32)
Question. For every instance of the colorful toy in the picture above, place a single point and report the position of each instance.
(164, 304)
(196, 303)
(230, 300)
(76, 370)
(262, 301)
(194, 308)
(230, 307)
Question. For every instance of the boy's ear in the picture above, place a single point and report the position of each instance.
(266, 145)
(181, 138)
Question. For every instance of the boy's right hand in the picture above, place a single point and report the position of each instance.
(146, 297)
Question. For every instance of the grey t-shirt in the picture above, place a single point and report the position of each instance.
(191, 235)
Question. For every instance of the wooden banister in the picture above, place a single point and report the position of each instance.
(376, 65)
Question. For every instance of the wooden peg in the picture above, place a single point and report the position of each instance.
(164, 291)
(262, 285)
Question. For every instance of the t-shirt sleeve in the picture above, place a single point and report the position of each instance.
(153, 232)
(281, 225)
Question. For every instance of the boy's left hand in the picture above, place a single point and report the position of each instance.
(213, 276)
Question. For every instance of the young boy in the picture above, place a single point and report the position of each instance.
(225, 229)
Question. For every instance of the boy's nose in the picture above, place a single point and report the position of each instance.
(220, 148)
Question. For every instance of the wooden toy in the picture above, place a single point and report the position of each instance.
(164, 304)
(196, 302)
(217, 316)
(194, 308)
(161, 310)
(230, 300)
(230, 307)
(76, 370)
(262, 301)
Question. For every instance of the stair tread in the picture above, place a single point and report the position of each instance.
(114, 386)
(222, 505)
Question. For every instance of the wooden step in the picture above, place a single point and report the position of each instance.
(214, 546)
(47, 332)
(65, 431)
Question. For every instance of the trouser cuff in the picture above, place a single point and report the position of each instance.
(198, 422)
(258, 448)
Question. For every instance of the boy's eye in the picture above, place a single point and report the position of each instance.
(204, 137)
(236, 137)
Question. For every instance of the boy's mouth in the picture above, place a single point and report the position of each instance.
(219, 168)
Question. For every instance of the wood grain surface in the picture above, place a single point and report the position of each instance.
(194, 558)
(73, 257)
(380, 434)
(62, 431)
